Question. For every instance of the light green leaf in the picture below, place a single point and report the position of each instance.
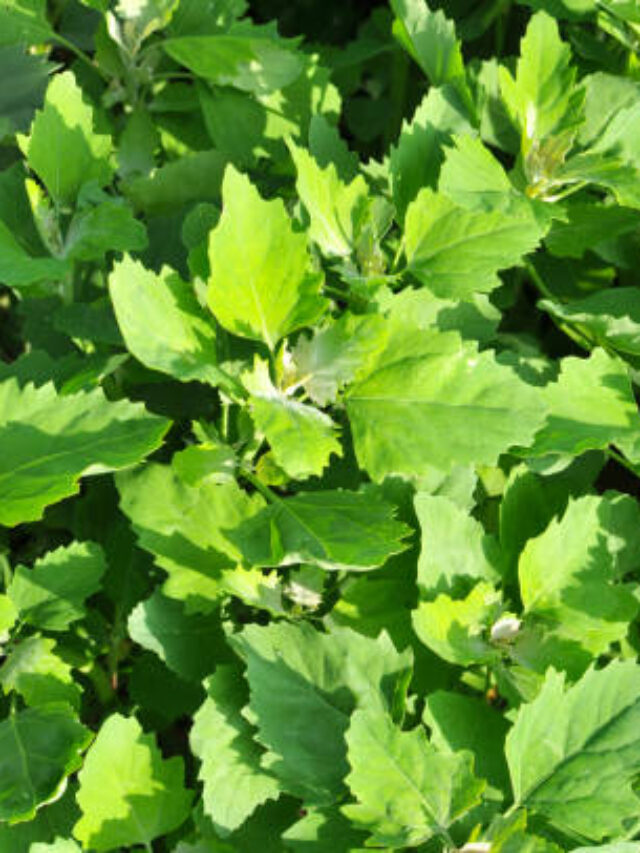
(473, 178)
(574, 754)
(50, 441)
(543, 90)
(162, 322)
(332, 205)
(62, 147)
(335, 530)
(431, 40)
(301, 437)
(128, 793)
(457, 252)
(184, 527)
(8, 616)
(261, 285)
(304, 686)
(38, 674)
(407, 791)
(189, 643)
(39, 748)
(411, 412)
(51, 595)
(108, 227)
(246, 58)
(59, 845)
(611, 317)
(24, 22)
(455, 549)
(588, 225)
(324, 826)
(18, 268)
(568, 583)
(458, 630)
(590, 406)
(143, 17)
(335, 353)
(234, 782)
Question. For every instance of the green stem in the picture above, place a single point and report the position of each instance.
(259, 486)
(570, 330)
(618, 457)
(82, 56)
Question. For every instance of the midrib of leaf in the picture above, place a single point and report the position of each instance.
(263, 320)
(576, 753)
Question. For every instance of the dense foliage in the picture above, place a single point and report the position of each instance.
(319, 443)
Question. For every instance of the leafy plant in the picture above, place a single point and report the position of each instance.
(319, 522)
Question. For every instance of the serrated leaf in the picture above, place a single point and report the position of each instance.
(50, 441)
(472, 177)
(24, 22)
(51, 594)
(458, 629)
(39, 748)
(189, 643)
(261, 284)
(128, 793)
(408, 792)
(335, 530)
(588, 225)
(304, 686)
(457, 252)
(301, 437)
(410, 413)
(24, 79)
(38, 674)
(332, 205)
(162, 322)
(234, 782)
(62, 147)
(574, 753)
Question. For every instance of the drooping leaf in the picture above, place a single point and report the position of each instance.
(234, 782)
(573, 753)
(304, 686)
(261, 285)
(39, 749)
(335, 530)
(128, 793)
(50, 441)
(51, 595)
(62, 147)
(407, 791)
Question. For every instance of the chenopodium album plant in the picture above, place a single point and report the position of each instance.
(319, 460)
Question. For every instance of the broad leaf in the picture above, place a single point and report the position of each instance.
(261, 285)
(234, 782)
(19, 269)
(407, 791)
(128, 793)
(49, 442)
(38, 674)
(24, 21)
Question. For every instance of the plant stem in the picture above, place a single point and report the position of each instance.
(82, 56)
(259, 486)
(618, 457)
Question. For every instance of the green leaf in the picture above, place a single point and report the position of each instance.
(234, 782)
(24, 22)
(162, 322)
(20, 269)
(590, 406)
(60, 845)
(144, 17)
(473, 178)
(458, 630)
(541, 95)
(301, 437)
(128, 793)
(431, 40)
(261, 285)
(332, 205)
(107, 227)
(185, 528)
(245, 58)
(455, 549)
(38, 674)
(407, 791)
(457, 252)
(189, 643)
(51, 595)
(412, 411)
(62, 147)
(611, 317)
(580, 606)
(304, 686)
(335, 353)
(458, 722)
(327, 827)
(50, 441)
(24, 79)
(39, 748)
(573, 754)
(588, 225)
(335, 530)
